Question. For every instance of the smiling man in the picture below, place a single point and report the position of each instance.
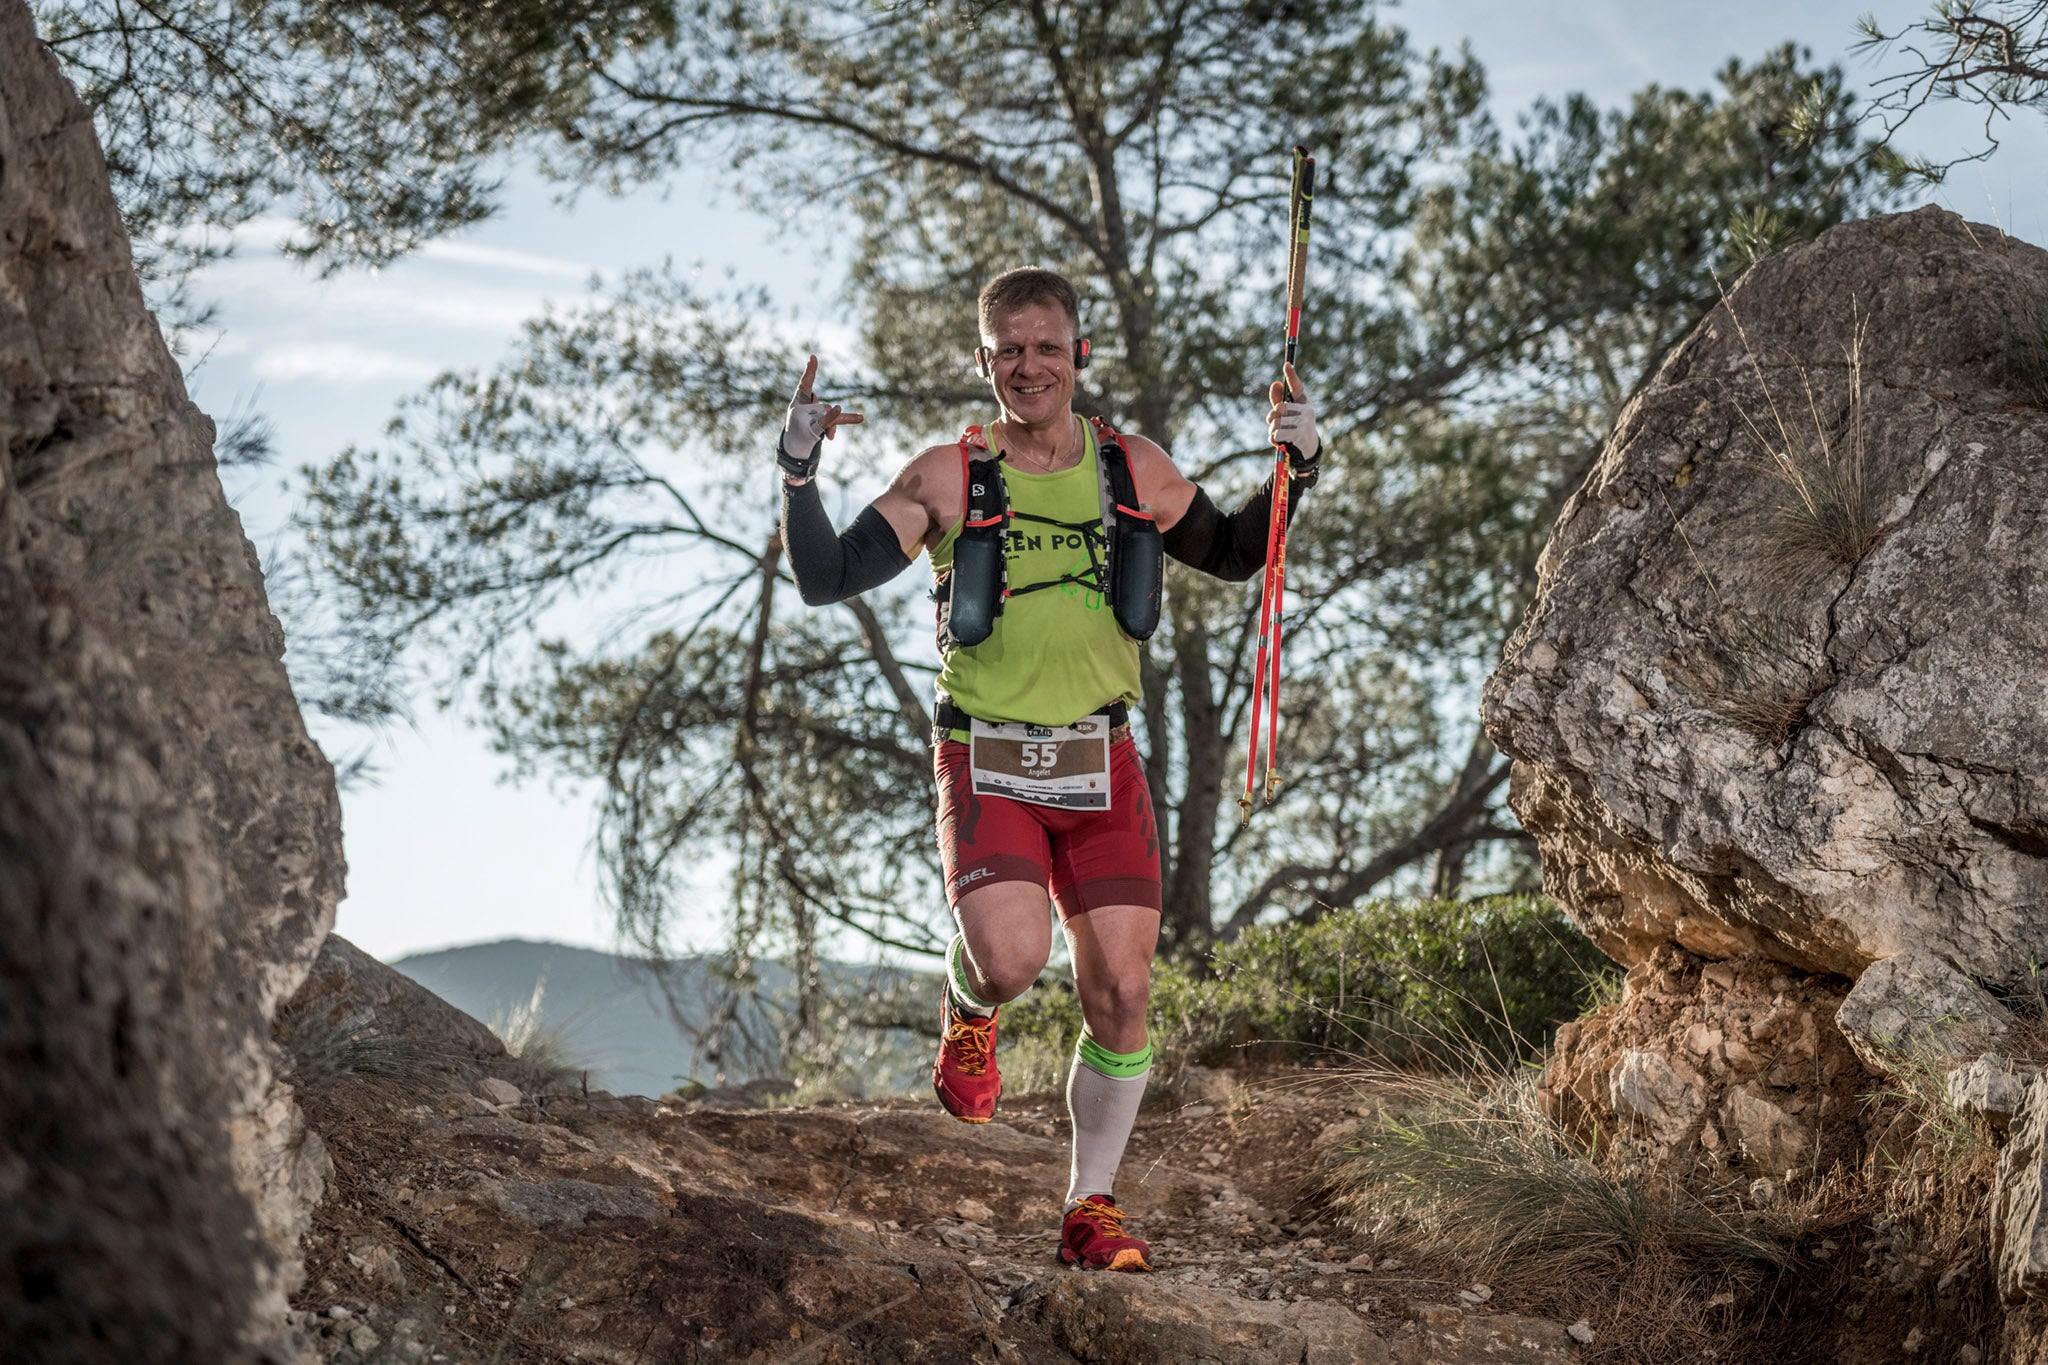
(1043, 532)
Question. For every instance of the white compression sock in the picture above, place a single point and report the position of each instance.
(1102, 1097)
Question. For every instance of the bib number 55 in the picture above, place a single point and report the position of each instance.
(1039, 755)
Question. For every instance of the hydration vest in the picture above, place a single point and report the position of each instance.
(1128, 571)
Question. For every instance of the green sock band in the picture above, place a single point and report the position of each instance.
(1120, 1065)
(956, 965)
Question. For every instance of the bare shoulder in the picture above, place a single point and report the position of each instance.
(1160, 482)
(932, 478)
(1147, 455)
(923, 499)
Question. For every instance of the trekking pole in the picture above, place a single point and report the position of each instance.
(1266, 670)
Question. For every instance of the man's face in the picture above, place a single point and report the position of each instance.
(1031, 361)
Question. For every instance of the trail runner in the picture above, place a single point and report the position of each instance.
(1041, 793)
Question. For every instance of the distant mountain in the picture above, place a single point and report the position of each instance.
(608, 1015)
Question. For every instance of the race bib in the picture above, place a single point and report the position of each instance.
(1046, 765)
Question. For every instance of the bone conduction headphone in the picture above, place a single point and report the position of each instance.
(984, 357)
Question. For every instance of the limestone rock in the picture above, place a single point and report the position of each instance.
(569, 1201)
(1992, 1087)
(356, 1016)
(169, 835)
(1918, 1005)
(1447, 1336)
(1666, 1099)
(1771, 1137)
(2019, 1230)
(1132, 1320)
(1743, 734)
(500, 1093)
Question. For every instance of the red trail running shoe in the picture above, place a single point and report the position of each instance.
(1092, 1237)
(965, 1075)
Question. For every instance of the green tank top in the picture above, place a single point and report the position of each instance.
(1057, 653)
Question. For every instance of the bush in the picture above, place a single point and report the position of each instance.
(1455, 981)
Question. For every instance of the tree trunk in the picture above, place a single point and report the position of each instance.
(1450, 859)
(1188, 925)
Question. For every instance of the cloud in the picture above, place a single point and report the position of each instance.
(340, 362)
(417, 297)
(501, 258)
(270, 231)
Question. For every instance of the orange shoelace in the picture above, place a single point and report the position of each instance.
(1107, 1217)
(970, 1039)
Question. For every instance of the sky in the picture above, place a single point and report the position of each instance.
(442, 850)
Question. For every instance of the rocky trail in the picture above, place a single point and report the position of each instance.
(499, 1217)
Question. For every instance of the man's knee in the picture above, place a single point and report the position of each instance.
(1005, 974)
(1123, 997)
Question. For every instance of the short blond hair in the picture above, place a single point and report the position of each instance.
(1023, 287)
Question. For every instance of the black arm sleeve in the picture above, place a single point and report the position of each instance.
(1232, 547)
(830, 567)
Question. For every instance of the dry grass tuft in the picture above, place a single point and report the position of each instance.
(2026, 358)
(545, 1045)
(1756, 679)
(1470, 1170)
(1773, 716)
(1828, 510)
(329, 1047)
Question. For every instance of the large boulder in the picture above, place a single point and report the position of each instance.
(169, 836)
(1778, 696)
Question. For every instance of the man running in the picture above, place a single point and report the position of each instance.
(1032, 802)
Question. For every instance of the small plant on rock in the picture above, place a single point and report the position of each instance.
(325, 1047)
(530, 1036)
(1755, 677)
(1828, 512)
(1757, 680)
(2026, 358)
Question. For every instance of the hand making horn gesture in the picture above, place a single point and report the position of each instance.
(1291, 422)
(808, 425)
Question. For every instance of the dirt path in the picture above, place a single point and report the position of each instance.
(563, 1227)
(479, 1211)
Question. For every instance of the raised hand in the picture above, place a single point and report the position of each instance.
(1291, 422)
(808, 425)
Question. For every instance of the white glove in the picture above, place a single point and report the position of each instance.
(803, 431)
(806, 427)
(1292, 422)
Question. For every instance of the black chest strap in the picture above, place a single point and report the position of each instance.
(1126, 562)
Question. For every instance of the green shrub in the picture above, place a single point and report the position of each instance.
(1486, 981)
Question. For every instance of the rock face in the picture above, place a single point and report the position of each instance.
(169, 836)
(2019, 1229)
(1778, 694)
(1727, 1070)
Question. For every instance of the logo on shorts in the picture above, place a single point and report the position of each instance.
(974, 876)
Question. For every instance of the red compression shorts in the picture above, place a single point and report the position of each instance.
(1087, 858)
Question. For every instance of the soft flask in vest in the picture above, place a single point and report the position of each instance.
(1138, 563)
(976, 591)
